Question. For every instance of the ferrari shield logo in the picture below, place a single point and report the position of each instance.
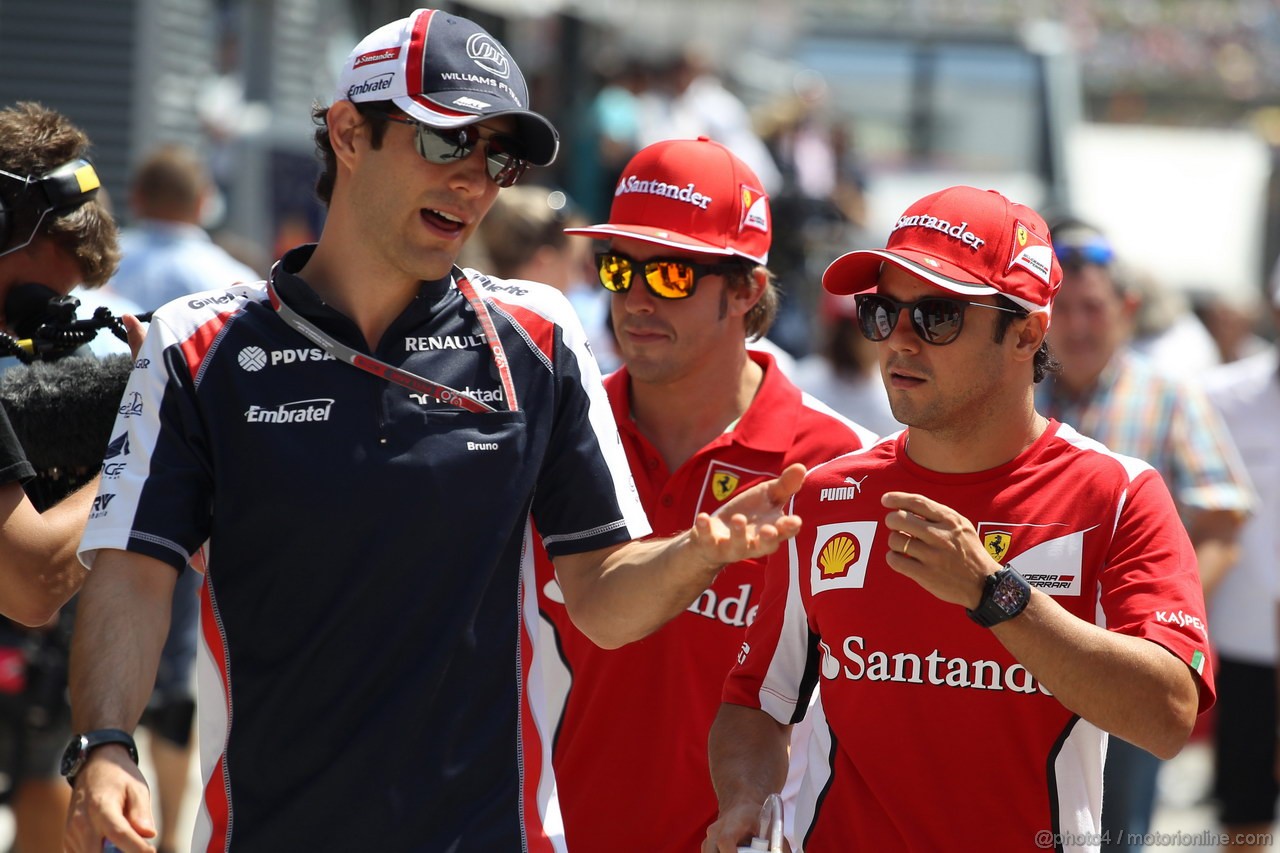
(997, 545)
(723, 484)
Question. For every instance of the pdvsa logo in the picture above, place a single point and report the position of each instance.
(252, 359)
(470, 103)
(489, 55)
(840, 555)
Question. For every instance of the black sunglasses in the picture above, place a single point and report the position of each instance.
(667, 278)
(936, 320)
(502, 161)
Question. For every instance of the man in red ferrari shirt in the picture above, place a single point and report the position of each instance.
(701, 417)
(981, 598)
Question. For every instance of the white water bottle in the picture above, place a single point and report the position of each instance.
(769, 835)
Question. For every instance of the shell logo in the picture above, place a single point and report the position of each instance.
(837, 555)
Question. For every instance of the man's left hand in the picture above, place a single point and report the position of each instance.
(937, 547)
(753, 524)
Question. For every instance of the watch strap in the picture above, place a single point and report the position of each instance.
(77, 752)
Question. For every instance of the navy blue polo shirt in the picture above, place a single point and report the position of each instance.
(366, 635)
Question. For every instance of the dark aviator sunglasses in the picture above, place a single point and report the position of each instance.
(936, 320)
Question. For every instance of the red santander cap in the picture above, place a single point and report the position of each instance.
(690, 194)
(965, 240)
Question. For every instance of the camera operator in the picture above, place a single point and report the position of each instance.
(55, 233)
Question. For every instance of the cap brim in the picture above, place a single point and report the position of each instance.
(536, 133)
(859, 271)
(660, 237)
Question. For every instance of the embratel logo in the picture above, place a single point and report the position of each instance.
(300, 411)
(840, 555)
(755, 209)
(488, 54)
(381, 83)
(959, 232)
(687, 193)
(385, 55)
(1030, 252)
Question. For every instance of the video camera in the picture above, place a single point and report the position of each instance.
(46, 327)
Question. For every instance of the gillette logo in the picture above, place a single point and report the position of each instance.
(377, 56)
(381, 83)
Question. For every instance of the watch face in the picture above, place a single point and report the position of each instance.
(1008, 594)
(73, 755)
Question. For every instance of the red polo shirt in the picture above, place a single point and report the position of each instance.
(631, 746)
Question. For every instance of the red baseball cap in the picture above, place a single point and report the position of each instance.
(964, 240)
(690, 194)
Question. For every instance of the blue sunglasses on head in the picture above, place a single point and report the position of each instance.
(1093, 250)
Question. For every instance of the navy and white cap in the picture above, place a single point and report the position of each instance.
(445, 72)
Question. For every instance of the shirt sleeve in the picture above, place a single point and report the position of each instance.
(1207, 472)
(1151, 582)
(586, 498)
(777, 666)
(156, 501)
(14, 466)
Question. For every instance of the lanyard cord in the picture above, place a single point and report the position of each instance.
(405, 378)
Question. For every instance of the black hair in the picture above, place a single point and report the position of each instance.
(373, 112)
(1045, 361)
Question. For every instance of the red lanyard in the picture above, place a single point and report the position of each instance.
(440, 393)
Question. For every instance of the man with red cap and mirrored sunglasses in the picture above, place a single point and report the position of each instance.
(701, 418)
(981, 598)
(360, 446)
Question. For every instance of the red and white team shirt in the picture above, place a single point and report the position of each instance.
(929, 735)
(630, 751)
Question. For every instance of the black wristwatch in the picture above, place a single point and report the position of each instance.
(1004, 597)
(77, 752)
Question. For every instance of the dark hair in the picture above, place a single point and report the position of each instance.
(1045, 361)
(761, 316)
(35, 140)
(373, 112)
